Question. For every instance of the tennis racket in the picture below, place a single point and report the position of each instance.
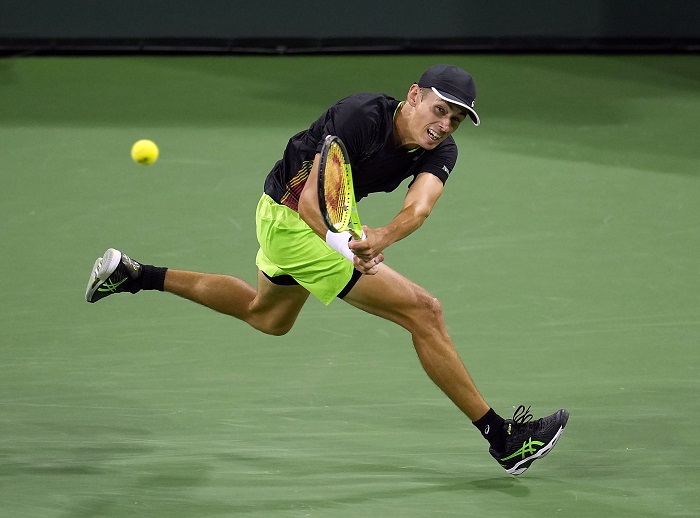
(336, 196)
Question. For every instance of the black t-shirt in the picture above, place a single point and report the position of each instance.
(365, 124)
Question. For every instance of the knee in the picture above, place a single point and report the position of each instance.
(429, 307)
(271, 323)
(426, 319)
(274, 329)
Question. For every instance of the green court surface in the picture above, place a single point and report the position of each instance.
(565, 252)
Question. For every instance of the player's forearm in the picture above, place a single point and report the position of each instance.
(308, 208)
(406, 222)
(310, 213)
(419, 203)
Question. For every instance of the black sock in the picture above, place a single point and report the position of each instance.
(491, 428)
(151, 278)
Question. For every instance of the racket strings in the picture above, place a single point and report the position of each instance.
(335, 186)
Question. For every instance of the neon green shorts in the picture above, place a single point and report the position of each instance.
(288, 246)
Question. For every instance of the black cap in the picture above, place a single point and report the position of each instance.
(452, 84)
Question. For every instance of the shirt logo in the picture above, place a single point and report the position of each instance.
(444, 168)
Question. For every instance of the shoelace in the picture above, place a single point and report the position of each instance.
(522, 415)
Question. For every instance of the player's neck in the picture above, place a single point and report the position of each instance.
(401, 133)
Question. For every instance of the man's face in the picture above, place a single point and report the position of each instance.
(435, 119)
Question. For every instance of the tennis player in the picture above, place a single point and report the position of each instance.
(388, 141)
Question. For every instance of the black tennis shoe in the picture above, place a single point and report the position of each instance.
(112, 273)
(528, 440)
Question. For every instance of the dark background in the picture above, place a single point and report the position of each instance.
(392, 26)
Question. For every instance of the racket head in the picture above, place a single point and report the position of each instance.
(336, 197)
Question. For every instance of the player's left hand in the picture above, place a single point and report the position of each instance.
(368, 267)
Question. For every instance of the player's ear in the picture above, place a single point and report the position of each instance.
(413, 94)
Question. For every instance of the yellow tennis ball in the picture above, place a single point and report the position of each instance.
(144, 152)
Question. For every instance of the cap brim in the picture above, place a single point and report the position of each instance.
(450, 99)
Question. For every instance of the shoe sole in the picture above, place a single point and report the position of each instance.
(104, 267)
(522, 466)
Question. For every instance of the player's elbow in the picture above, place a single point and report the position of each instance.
(419, 213)
(423, 213)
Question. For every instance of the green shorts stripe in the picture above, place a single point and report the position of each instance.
(288, 246)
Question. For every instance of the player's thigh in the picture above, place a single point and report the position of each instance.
(390, 295)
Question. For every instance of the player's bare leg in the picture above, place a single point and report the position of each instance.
(515, 443)
(270, 308)
(392, 296)
(273, 309)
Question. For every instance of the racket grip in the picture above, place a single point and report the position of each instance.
(338, 241)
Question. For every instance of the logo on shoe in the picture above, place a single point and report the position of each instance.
(528, 448)
(112, 286)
